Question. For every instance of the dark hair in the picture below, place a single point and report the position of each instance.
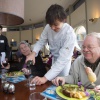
(55, 12)
(1, 27)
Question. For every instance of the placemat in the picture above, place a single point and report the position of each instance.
(50, 92)
(16, 79)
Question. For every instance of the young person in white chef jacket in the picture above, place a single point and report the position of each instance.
(61, 39)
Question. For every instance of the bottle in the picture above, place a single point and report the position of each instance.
(29, 63)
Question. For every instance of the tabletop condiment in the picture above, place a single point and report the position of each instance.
(8, 87)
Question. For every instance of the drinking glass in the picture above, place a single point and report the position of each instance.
(32, 86)
(3, 78)
(36, 96)
(27, 74)
(5, 63)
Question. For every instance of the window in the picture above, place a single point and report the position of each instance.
(81, 33)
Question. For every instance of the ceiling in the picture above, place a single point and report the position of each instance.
(35, 10)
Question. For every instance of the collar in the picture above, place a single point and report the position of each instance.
(94, 65)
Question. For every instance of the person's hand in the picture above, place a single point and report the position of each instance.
(31, 57)
(57, 79)
(97, 88)
(7, 67)
(26, 71)
(39, 80)
(6, 59)
(88, 70)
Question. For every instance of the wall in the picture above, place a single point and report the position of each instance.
(93, 11)
(36, 33)
(78, 17)
(26, 35)
(30, 35)
(13, 35)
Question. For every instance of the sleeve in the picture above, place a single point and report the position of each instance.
(73, 76)
(65, 54)
(42, 41)
(7, 49)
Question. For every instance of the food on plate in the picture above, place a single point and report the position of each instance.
(17, 73)
(74, 91)
(91, 76)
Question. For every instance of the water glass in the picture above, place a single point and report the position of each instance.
(32, 86)
(3, 78)
(36, 96)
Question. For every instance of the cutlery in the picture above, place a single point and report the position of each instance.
(60, 84)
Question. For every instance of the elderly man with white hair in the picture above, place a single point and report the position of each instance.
(89, 61)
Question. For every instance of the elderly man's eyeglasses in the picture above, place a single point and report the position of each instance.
(88, 47)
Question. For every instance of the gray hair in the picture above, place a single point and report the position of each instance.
(24, 42)
(95, 34)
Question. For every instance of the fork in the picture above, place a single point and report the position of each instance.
(60, 84)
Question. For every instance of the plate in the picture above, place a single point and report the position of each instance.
(58, 91)
(14, 74)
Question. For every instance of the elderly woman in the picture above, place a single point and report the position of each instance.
(88, 62)
(38, 69)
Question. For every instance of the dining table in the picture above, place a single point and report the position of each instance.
(22, 92)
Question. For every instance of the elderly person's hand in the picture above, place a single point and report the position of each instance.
(57, 79)
(26, 71)
(97, 88)
(31, 57)
(39, 80)
(7, 67)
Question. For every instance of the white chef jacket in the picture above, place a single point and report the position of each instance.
(61, 45)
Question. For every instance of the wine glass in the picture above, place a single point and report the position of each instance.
(5, 63)
(3, 72)
(27, 70)
(27, 74)
(36, 96)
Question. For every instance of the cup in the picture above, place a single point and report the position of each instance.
(36, 96)
(5, 63)
(32, 86)
(3, 78)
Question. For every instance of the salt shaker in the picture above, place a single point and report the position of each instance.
(11, 88)
(5, 87)
(8, 88)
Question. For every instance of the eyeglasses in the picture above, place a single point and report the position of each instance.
(88, 47)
